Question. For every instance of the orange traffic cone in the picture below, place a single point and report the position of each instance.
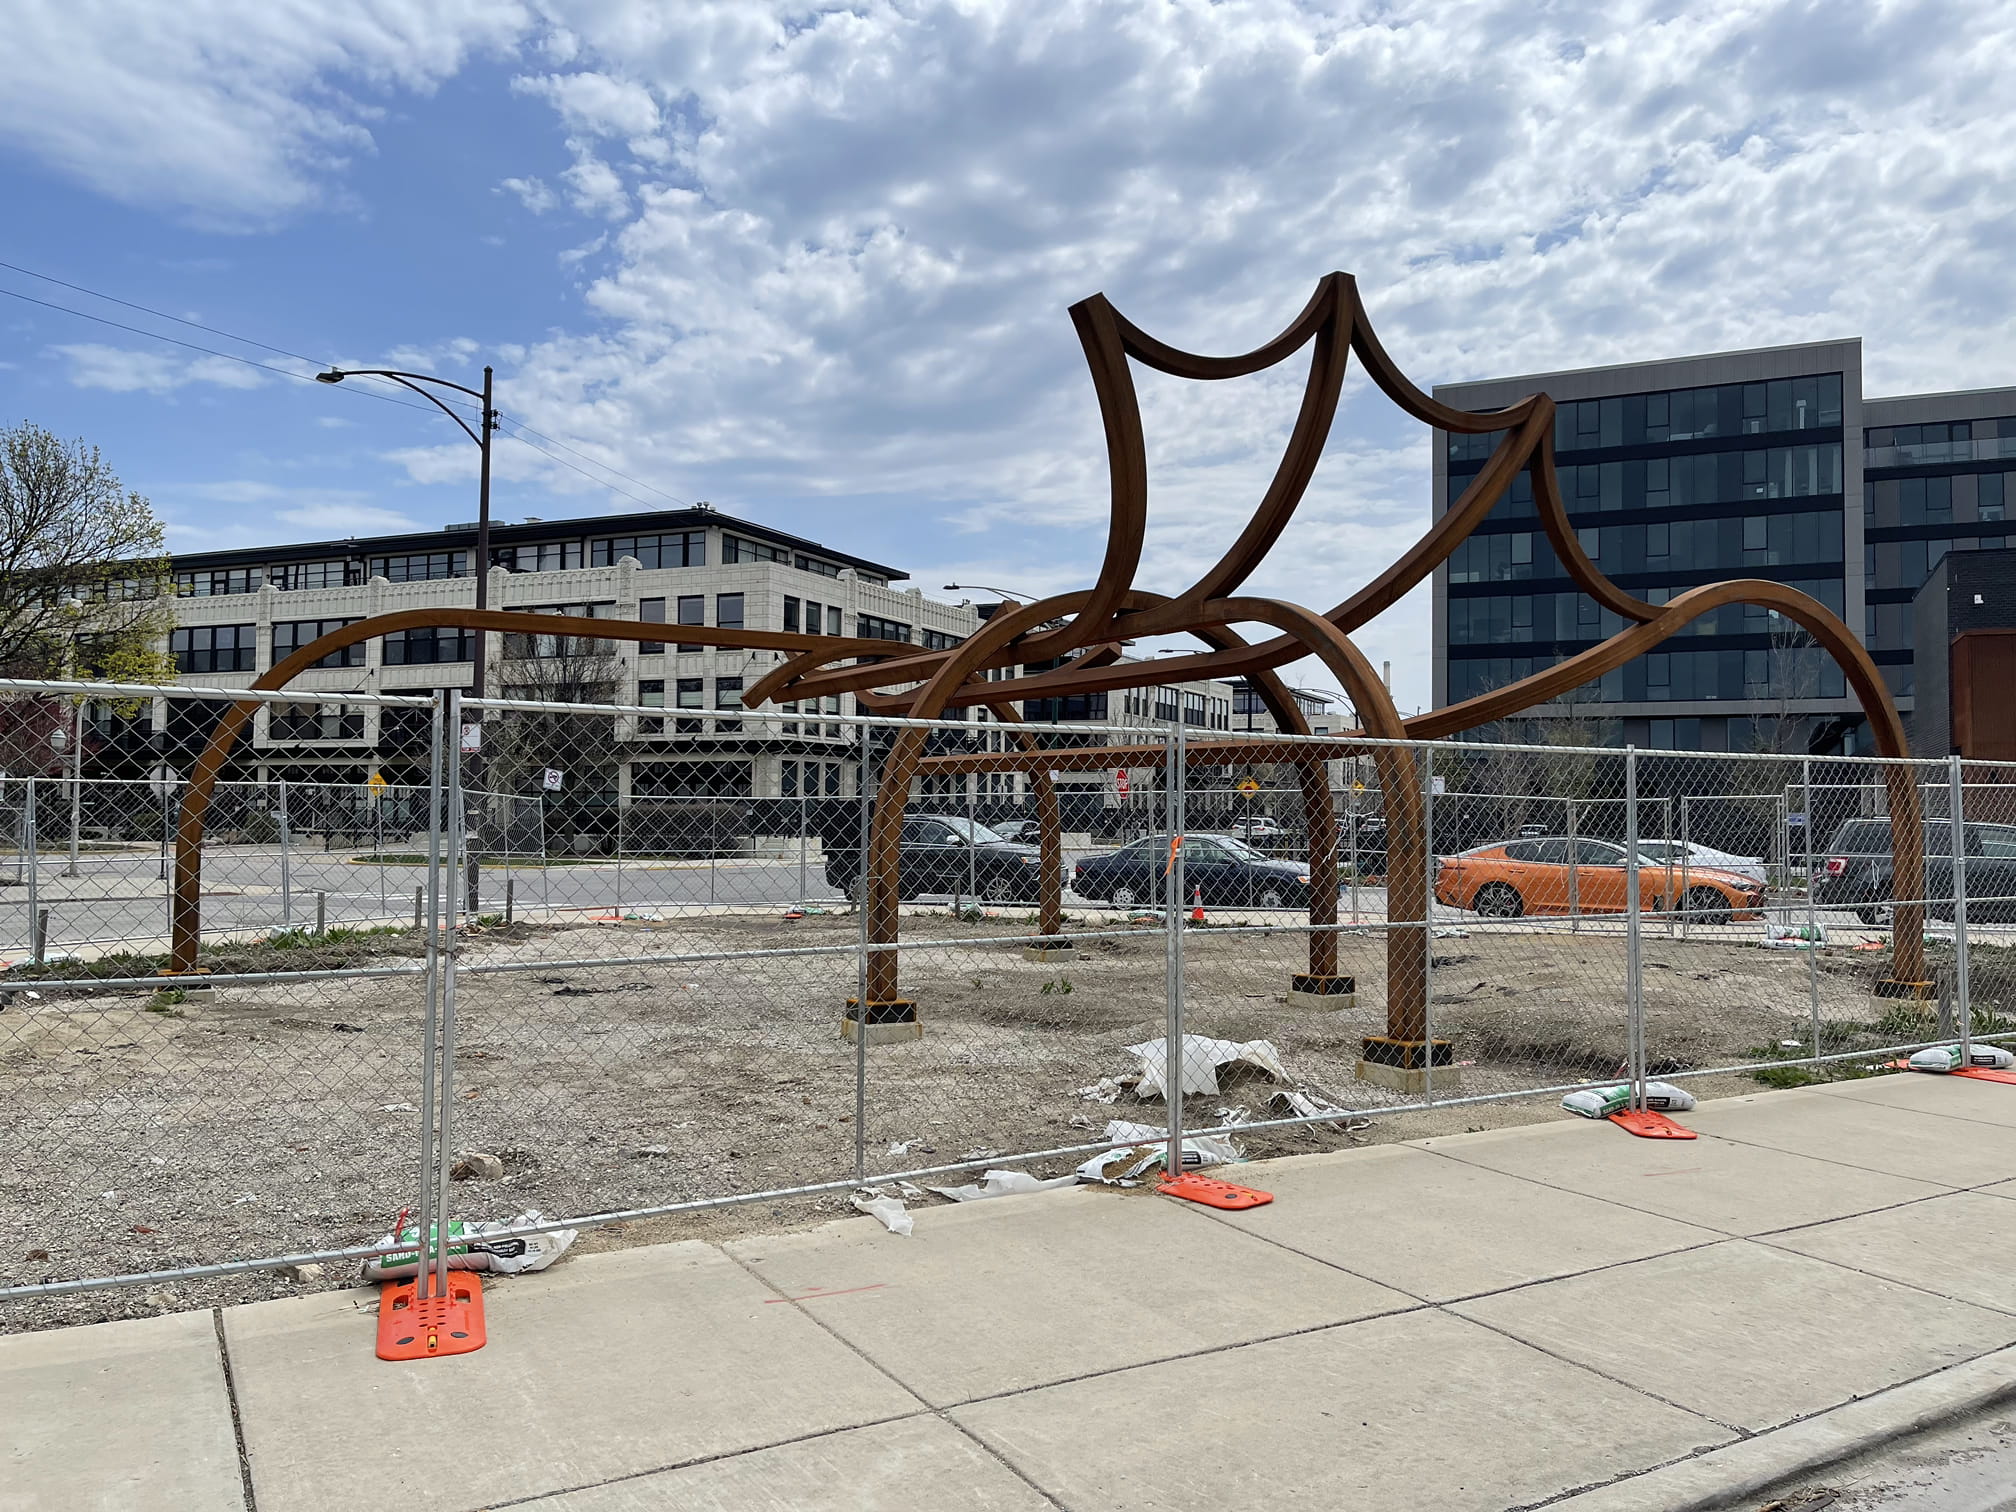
(1197, 906)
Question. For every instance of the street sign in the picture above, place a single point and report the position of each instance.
(551, 781)
(377, 784)
(163, 779)
(472, 738)
(1249, 786)
(1441, 786)
(1120, 782)
(1357, 787)
(1795, 820)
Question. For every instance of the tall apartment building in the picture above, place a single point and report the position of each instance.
(1766, 463)
(238, 612)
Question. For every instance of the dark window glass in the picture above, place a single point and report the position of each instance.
(652, 612)
(297, 575)
(790, 615)
(413, 648)
(873, 627)
(421, 567)
(290, 636)
(728, 611)
(741, 549)
(315, 721)
(692, 611)
(215, 648)
(686, 548)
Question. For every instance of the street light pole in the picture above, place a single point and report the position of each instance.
(481, 435)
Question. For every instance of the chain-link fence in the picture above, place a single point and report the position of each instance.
(624, 962)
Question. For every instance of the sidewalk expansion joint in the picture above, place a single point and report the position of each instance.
(237, 1419)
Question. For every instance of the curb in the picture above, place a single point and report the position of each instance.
(1733, 1474)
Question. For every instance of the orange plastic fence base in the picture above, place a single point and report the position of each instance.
(1985, 1073)
(412, 1327)
(1213, 1193)
(1649, 1125)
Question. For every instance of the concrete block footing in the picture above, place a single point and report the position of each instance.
(1405, 1065)
(1892, 990)
(891, 1023)
(1328, 994)
(1062, 953)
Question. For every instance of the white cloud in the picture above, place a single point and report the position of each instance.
(534, 193)
(319, 511)
(840, 243)
(231, 111)
(123, 370)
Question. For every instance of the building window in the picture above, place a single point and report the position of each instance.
(421, 566)
(728, 611)
(290, 576)
(290, 636)
(315, 721)
(873, 627)
(427, 647)
(790, 775)
(689, 693)
(547, 556)
(739, 549)
(727, 695)
(652, 612)
(692, 611)
(686, 548)
(651, 694)
(215, 648)
(791, 607)
(220, 582)
(941, 640)
(813, 564)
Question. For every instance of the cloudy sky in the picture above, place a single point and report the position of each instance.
(812, 263)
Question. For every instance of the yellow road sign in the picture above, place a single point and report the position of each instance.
(1249, 786)
(377, 784)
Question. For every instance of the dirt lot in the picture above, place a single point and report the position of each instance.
(141, 1134)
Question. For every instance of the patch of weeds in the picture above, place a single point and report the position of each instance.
(490, 921)
(1061, 985)
(308, 939)
(164, 1002)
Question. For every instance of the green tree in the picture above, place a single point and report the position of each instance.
(84, 571)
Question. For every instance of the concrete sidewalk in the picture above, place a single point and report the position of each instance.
(1552, 1315)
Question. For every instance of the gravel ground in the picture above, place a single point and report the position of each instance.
(143, 1134)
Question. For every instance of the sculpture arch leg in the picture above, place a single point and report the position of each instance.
(1049, 830)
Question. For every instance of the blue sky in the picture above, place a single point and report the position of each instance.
(813, 263)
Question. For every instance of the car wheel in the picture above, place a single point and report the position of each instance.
(1270, 897)
(1123, 896)
(1704, 905)
(999, 889)
(1497, 900)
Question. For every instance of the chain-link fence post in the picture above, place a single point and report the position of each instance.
(1176, 779)
(1574, 874)
(437, 806)
(30, 867)
(1354, 858)
(287, 862)
(1956, 828)
(1634, 965)
(1812, 910)
(76, 782)
(864, 783)
(1428, 922)
(457, 846)
(804, 841)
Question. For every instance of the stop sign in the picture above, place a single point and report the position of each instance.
(1120, 782)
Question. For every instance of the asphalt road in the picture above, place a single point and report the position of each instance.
(1968, 1466)
(121, 898)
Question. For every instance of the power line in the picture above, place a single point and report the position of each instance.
(266, 346)
(265, 367)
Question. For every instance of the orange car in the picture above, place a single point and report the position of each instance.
(1520, 877)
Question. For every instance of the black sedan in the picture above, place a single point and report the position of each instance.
(950, 855)
(1229, 873)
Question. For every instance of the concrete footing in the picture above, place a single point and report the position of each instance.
(1049, 953)
(1329, 994)
(1893, 990)
(1405, 1065)
(891, 1023)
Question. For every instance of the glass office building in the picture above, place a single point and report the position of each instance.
(1679, 473)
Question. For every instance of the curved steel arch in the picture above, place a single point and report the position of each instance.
(1096, 620)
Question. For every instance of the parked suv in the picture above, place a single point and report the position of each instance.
(1856, 872)
(952, 855)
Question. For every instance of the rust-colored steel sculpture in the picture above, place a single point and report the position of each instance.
(1084, 630)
